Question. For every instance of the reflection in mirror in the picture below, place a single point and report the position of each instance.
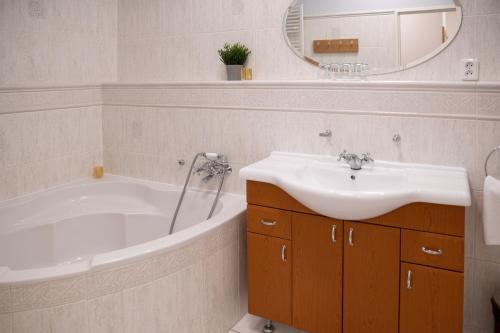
(360, 37)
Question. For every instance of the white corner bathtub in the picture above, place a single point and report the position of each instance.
(94, 238)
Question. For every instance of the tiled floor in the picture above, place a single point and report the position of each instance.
(254, 324)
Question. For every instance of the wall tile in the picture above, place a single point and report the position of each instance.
(105, 314)
(487, 7)
(48, 293)
(5, 300)
(138, 313)
(222, 296)
(28, 322)
(206, 16)
(486, 282)
(469, 291)
(6, 323)
(66, 318)
(52, 53)
(488, 45)
(178, 259)
(45, 149)
(115, 279)
(488, 104)
(178, 301)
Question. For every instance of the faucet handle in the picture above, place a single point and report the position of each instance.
(367, 157)
(342, 155)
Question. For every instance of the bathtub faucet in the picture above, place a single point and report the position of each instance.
(215, 165)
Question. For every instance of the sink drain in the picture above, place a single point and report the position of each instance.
(353, 177)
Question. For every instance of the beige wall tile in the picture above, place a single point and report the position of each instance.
(178, 301)
(6, 323)
(52, 53)
(486, 282)
(222, 296)
(138, 315)
(105, 314)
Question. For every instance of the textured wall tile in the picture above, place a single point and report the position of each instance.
(118, 278)
(105, 314)
(178, 259)
(5, 300)
(61, 319)
(48, 293)
(488, 45)
(243, 283)
(178, 301)
(486, 282)
(28, 322)
(6, 323)
(469, 290)
(487, 7)
(12, 100)
(138, 305)
(53, 53)
(488, 104)
(47, 148)
(222, 285)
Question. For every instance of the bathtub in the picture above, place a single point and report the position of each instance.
(99, 245)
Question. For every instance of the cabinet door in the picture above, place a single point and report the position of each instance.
(317, 273)
(371, 278)
(270, 277)
(431, 300)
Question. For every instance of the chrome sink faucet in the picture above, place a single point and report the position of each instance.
(354, 161)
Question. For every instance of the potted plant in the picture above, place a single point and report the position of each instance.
(234, 56)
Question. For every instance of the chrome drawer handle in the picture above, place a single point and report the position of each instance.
(431, 252)
(351, 231)
(283, 253)
(268, 223)
(408, 279)
(334, 233)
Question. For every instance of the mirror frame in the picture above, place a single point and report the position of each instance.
(413, 64)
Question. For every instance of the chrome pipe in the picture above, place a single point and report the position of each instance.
(183, 193)
(216, 196)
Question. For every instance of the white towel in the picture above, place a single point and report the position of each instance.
(491, 211)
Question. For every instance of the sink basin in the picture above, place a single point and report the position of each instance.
(331, 188)
(342, 179)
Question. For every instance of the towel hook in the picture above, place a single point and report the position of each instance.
(488, 158)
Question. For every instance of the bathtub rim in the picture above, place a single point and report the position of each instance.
(234, 206)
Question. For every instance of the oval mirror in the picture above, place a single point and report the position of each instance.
(363, 37)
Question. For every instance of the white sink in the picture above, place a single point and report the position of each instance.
(331, 188)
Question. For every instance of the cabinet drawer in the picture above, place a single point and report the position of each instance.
(269, 221)
(432, 250)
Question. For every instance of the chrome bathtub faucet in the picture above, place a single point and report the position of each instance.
(355, 162)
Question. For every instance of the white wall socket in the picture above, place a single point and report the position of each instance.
(470, 69)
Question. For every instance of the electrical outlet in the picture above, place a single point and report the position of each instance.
(470, 69)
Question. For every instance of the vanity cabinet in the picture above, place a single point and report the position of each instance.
(431, 300)
(371, 278)
(270, 277)
(400, 272)
(317, 273)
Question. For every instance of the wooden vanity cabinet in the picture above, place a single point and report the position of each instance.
(317, 273)
(371, 278)
(400, 272)
(431, 300)
(269, 277)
